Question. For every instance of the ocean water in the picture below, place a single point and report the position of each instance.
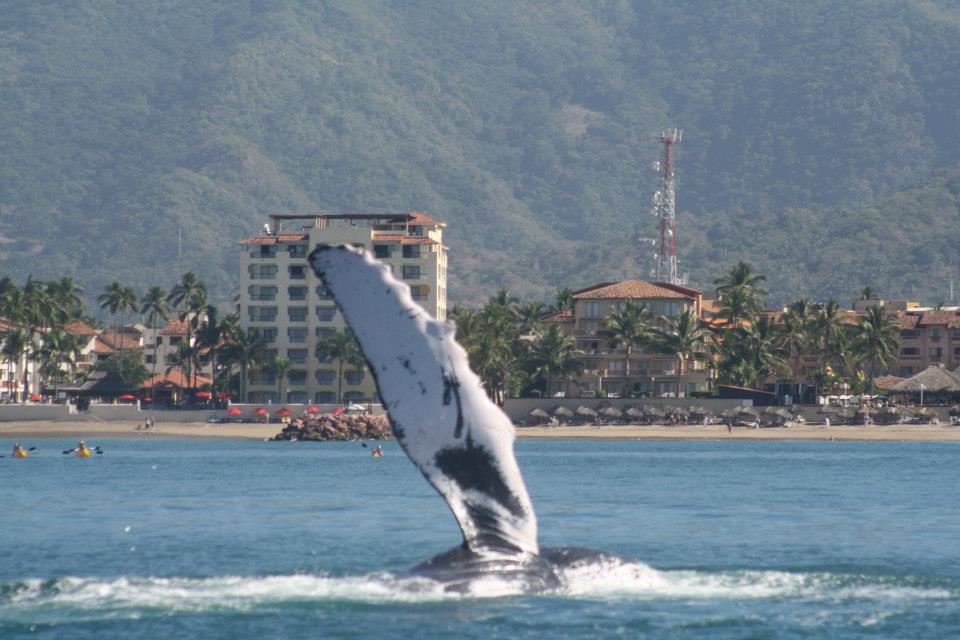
(240, 539)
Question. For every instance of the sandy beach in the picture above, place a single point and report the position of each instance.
(203, 430)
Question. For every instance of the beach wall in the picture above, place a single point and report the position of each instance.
(135, 413)
(28, 412)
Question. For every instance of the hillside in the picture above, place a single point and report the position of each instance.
(144, 140)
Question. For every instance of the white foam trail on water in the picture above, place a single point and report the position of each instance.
(606, 580)
(617, 579)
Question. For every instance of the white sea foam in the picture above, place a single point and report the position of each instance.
(608, 580)
(617, 579)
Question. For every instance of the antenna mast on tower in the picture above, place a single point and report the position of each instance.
(665, 209)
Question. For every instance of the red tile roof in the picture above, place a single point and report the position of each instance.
(175, 379)
(908, 321)
(631, 289)
(886, 383)
(559, 316)
(116, 340)
(79, 328)
(403, 239)
(948, 319)
(174, 328)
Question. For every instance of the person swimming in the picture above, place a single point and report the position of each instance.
(19, 451)
(378, 452)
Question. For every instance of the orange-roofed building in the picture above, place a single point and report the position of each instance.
(606, 366)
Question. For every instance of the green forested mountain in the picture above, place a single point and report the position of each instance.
(820, 138)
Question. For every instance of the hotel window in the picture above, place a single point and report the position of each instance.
(263, 251)
(323, 293)
(298, 250)
(591, 309)
(325, 397)
(909, 333)
(354, 377)
(265, 272)
(324, 359)
(297, 272)
(298, 377)
(297, 293)
(323, 332)
(263, 293)
(955, 334)
(175, 340)
(325, 314)
(411, 272)
(615, 366)
(297, 314)
(296, 335)
(297, 397)
(935, 352)
(935, 335)
(411, 251)
(268, 333)
(325, 377)
(418, 293)
(956, 352)
(267, 378)
(381, 251)
(910, 351)
(417, 230)
(906, 372)
(354, 396)
(297, 356)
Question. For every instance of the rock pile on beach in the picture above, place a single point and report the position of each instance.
(337, 427)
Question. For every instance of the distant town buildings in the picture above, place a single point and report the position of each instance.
(289, 306)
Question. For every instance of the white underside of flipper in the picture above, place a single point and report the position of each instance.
(459, 439)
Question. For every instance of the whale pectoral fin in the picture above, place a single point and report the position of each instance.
(460, 440)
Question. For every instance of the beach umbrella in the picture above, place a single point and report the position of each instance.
(260, 411)
(561, 410)
(653, 410)
(749, 411)
(337, 411)
(285, 411)
(146, 399)
(312, 409)
(603, 405)
(634, 412)
(680, 411)
(783, 413)
(584, 410)
(224, 396)
(35, 398)
(203, 395)
(538, 413)
(234, 411)
(611, 412)
(127, 396)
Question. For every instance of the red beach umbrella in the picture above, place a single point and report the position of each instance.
(260, 411)
(127, 396)
(35, 398)
(284, 412)
(312, 409)
(338, 410)
(224, 396)
(146, 399)
(203, 394)
(234, 411)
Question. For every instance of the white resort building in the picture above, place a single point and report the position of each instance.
(289, 306)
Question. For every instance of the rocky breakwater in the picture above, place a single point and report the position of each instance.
(337, 427)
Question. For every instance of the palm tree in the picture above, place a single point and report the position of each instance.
(59, 348)
(16, 344)
(279, 367)
(153, 306)
(684, 337)
(741, 275)
(798, 332)
(555, 355)
(627, 327)
(244, 349)
(563, 301)
(341, 345)
(183, 358)
(529, 315)
(190, 296)
(68, 296)
(118, 298)
(738, 304)
(876, 339)
(760, 350)
(867, 293)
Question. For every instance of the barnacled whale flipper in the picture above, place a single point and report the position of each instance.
(460, 440)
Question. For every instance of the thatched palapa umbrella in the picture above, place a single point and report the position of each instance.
(935, 378)
(538, 413)
(561, 411)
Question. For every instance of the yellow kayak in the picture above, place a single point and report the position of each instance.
(20, 454)
(83, 453)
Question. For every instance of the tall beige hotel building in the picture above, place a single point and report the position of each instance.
(283, 299)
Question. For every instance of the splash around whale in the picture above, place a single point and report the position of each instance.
(456, 436)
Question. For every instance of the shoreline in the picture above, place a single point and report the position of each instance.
(28, 430)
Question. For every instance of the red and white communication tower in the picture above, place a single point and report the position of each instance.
(665, 209)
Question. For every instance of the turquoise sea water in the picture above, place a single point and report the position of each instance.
(238, 539)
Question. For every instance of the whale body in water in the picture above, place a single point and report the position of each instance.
(443, 419)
